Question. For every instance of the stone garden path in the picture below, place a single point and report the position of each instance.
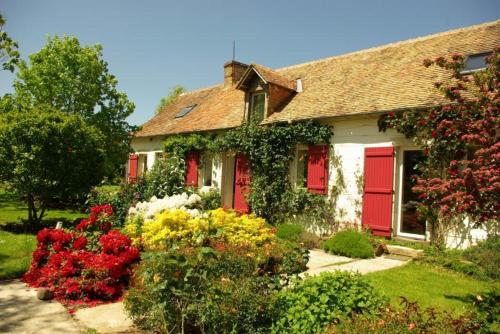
(320, 261)
(22, 312)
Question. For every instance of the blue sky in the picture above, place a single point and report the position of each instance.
(152, 46)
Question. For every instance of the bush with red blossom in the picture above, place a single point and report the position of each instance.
(86, 266)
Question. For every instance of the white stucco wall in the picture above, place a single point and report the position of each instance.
(351, 137)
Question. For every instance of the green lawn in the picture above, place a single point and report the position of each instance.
(15, 253)
(16, 248)
(12, 210)
(430, 286)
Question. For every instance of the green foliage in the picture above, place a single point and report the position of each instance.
(349, 243)
(487, 307)
(481, 261)
(411, 319)
(296, 233)
(9, 54)
(269, 149)
(120, 199)
(75, 79)
(210, 200)
(166, 177)
(48, 154)
(310, 305)
(209, 290)
(290, 232)
(172, 95)
(181, 144)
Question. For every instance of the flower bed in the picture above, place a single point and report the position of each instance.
(86, 266)
(219, 225)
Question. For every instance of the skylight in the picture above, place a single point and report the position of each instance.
(185, 111)
(475, 62)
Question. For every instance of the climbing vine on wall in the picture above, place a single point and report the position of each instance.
(270, 149)
(181, 144)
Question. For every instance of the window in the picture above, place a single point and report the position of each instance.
(185, 111)
(257, 106)
(475, 62)
(301, 176)
(207, 170)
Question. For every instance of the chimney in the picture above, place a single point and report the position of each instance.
(233, 71)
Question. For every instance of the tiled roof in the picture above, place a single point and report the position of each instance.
(389, 77)
(271, 76)
(216, 108)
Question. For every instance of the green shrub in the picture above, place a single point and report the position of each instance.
(481, 261)
(487, 256)
(219, 289)
(310, 305)
(298, 234)
(210, 200)
(166, 177)
(121, 199)
(291, 232)
(349, 243)
(410, 319)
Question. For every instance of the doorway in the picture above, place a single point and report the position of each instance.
(411, 222)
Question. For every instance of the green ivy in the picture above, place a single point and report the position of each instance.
(270, 149)
(181, 144)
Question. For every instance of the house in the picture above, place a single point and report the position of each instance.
(349, 92)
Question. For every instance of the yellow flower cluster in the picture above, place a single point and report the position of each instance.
(178, 225)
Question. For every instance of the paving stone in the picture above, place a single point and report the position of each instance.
(23, 313)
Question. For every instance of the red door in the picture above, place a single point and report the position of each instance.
(241, 184)
(377, 196)
(192, 169)
(133, 161)
(317, 169)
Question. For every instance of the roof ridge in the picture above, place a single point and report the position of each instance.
(392, 44)
(201, 89)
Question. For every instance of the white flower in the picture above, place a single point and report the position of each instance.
(148, 209)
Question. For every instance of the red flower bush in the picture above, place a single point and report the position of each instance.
(88, 266)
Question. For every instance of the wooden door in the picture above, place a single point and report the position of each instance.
(377, 195)
(241, 184)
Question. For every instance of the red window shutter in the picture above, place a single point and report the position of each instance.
(317, 169)
(242, 176)
(377, 196)
(132, 167)
(192, 159)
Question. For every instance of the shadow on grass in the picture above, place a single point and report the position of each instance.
(23, 227)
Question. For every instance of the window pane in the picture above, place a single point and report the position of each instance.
(412, 221)
(476, 62)
(258, 104)
(302, 168)
(207, 170)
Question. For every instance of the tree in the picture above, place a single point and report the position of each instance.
(172, 95)
(47, 154)
(75, 79)
(9, 54)
(461, 176)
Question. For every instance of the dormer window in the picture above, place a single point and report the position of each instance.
(257, 106)
(475, 62)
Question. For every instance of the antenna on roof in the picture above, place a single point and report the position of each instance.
(234, 49)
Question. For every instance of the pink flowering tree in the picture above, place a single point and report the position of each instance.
(461, 176)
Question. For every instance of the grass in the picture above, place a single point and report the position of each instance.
(15, 253)
(15, 246)
(430, 286)
(12, 210)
